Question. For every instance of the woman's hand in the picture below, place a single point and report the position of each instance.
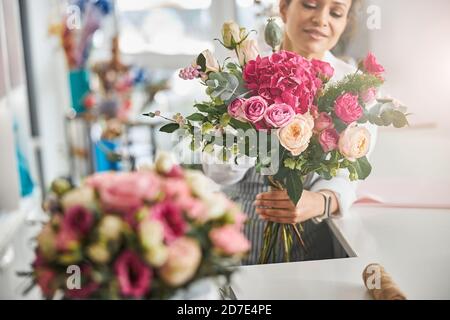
(276, 206)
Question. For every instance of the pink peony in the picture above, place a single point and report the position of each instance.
(78, 220)
(133, 275)
(372, 66)
(254, 109)
(369, 95)
(185, 256)
(283, 77)
(329, 139)
(229, 240)
(236, 110)
(323, 122)
(323, 69)
(347, 108)
(278, 114)
(171, 216)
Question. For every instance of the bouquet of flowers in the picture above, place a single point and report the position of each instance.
(139, 235)
(299, 121)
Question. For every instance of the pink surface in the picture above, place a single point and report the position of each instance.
(404, 193)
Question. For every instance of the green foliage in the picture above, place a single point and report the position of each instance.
(170, 128)
(355, 83)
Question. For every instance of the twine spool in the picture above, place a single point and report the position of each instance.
(380, 284)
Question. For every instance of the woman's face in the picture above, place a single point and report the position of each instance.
(314, 26)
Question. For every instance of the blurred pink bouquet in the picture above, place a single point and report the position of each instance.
(319, 126)
(139, 235)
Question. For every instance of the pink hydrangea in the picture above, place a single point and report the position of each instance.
(283, 77)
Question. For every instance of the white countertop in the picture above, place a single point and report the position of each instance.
(412, 244)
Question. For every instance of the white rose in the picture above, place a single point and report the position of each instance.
(164, 162)
(151, 233)
(84, 196)
(247, 51)
(157, 255)
(110, 227)
(211, 62)
(99, 253)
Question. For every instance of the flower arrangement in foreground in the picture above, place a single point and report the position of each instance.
(319, 126)
(139, 235)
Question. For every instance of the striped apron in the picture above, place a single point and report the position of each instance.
(319, 243)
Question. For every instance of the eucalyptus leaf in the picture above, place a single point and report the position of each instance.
(170, 128)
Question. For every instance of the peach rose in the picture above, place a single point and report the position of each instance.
(295, 136)
(184, 257)
(354, 142)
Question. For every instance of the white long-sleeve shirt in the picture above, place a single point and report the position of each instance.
(227, 174)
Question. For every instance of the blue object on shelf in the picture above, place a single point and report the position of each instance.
(105, 152)
(26, 182)
(79, 88)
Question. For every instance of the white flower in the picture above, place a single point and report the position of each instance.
(151, 233)
(164, 162)
(247, 50)
(157, 255)
(84, 196)
(110, 227)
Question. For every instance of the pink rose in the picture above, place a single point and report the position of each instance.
(354, 142)
(323, 122)
(369, 95)
(329, 139)
(184, 258)
(236, 109)
(372, 66)
(296, 135)
(323, 69)
(229, 240)
(133, 275)
(314, 111)
(171, 217)
(254, 109)
(283, 77)
(78, 220)
(347, 108)
(278, 114)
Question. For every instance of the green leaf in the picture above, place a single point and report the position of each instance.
(294, 186)
(225, 119)
(240, 125)
(290, 163)
(207, 127)
(170, 128)
(363, 168)
(201, 61)
(399, 119)
(203, 108)
(196, 117)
